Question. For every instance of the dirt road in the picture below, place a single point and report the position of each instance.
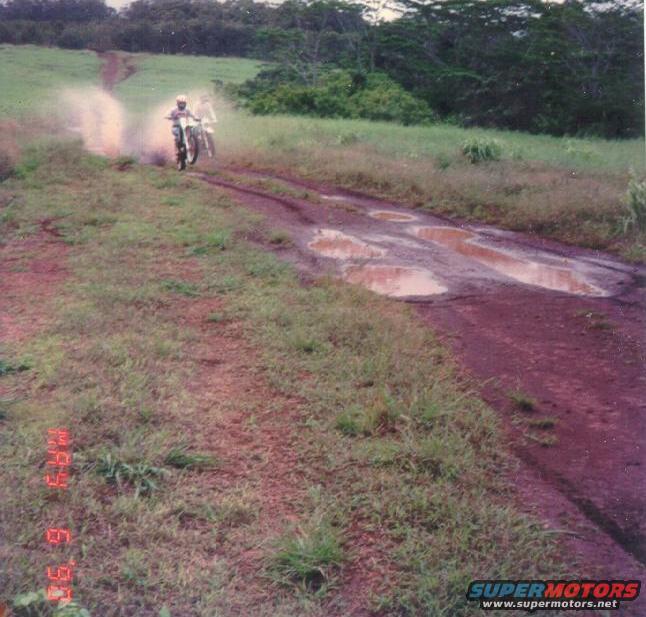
(554, 334)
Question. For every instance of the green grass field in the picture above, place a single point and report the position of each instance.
(31, 77)
(159, 78)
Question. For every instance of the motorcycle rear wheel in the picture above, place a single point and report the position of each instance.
(210, 146)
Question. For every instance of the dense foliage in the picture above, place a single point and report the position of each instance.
(562, 68)
(337, 94)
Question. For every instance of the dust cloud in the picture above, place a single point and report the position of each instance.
(108, 129)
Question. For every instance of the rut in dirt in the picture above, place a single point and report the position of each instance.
(115, 68)
(561, 326)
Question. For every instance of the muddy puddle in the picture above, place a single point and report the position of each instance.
(394, 281)
(335, 244)
(395, 217)
(529, 272)
(334, 198)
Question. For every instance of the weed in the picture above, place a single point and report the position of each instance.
(281, 237)
(219, 240)
(7, 368)
(141, 475)
(442, 161)
(544, 423)
(350, 422)
(544, 440)
(216, 317)
(308, 557)
(124, 162)
(305, 344)
(521, 400)
(183, 459)
(180, 287)
(477, 150)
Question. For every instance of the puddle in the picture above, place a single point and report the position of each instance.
(389, 215)
(530, 272)
(394, 281)
(338, 245)
(335, 197)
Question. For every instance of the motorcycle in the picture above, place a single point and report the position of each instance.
(188, 147)
(204, 132)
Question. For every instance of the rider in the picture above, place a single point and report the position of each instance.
(181, 110)
(205, 110)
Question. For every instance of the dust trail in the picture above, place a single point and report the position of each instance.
(98, 117)
(109, 130)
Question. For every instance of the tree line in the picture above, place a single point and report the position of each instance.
(574, 67)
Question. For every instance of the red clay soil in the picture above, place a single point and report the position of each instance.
(31, 271)
(580, 358)
(253, 430)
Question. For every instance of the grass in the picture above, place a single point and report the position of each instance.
(141, 475)
(541, 184)
(162, 77)
(181, 458)
(31, 76)
(416, 501)
(308, 557)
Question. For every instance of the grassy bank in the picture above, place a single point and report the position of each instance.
(243, 443)
(572, 190)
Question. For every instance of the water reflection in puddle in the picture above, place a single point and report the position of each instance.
(335, 244)
(394, 281)
(389, 215)
(335, 197)
(532, 273)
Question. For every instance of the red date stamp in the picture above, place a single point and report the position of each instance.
(59, 459)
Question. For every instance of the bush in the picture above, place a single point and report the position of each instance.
(383, 99)
(477, 150)
(339, 94)
(635, 202)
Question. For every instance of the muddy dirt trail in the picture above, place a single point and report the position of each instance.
(555, 335)
(115, 68)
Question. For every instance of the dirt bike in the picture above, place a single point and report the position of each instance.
(204, 133)
(188, 147)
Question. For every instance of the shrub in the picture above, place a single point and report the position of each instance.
(384, 99)
(339, 94)
(635, 202)
(478, 149)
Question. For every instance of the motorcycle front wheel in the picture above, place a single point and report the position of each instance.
(193, 150)
(181, 158)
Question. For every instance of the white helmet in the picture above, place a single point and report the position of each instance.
(181, 98)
